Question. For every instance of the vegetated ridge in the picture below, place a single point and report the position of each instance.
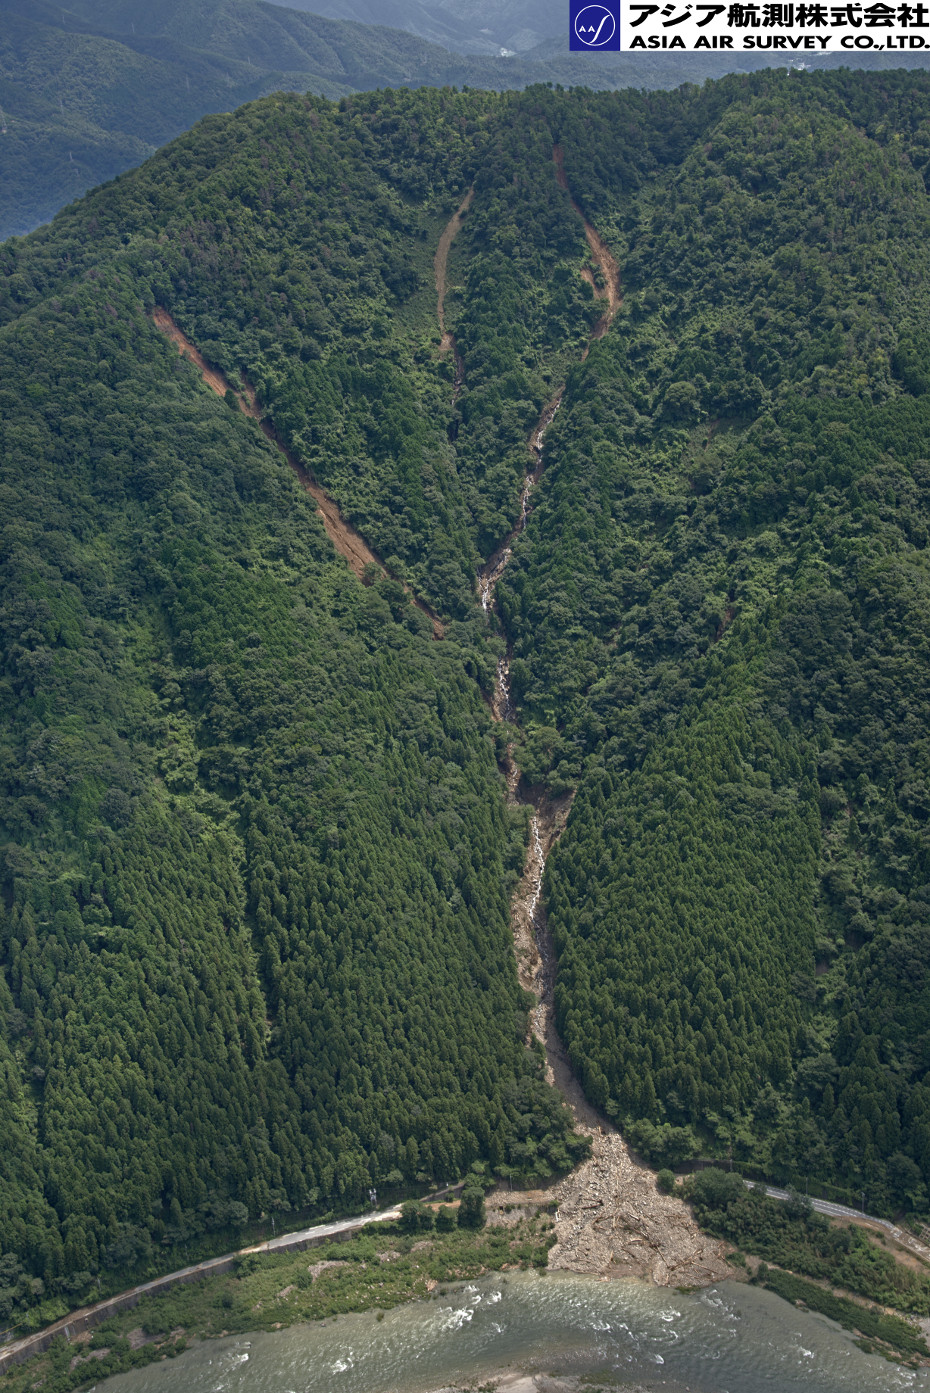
(342, 535)
(259, 856)
(91, 88)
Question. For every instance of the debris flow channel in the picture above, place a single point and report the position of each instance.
(535, 958)
(611, 1217)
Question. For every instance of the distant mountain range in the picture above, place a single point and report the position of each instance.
(467, 26)
(91, 89)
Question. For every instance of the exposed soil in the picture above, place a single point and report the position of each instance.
(607, 265)
(316, 1268)
(212, 376)
(340, 532)
(494, 567)
(612, 291)
(904, 1248)
(611, 1218)
(86, 1358)
(440, 261)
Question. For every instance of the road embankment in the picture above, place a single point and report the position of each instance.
(74, 1324)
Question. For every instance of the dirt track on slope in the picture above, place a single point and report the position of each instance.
(440, 260)
(447, 342)
(212, 376)
(612, 291)
(340, 532)
(610, 271)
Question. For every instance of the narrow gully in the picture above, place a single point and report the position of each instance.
(609, 1212)
(447, 342)
(532, 941)
(611, 1219)
(493, 569)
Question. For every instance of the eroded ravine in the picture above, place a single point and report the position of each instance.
(341, 533)
(611, 1217)
(532, 941)
(495, 566)
(531, 938)
(610, 290)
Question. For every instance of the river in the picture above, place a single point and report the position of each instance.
(730, 1338)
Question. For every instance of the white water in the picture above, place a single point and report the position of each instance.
(727, 1339)
(536, 866)
(490, 574)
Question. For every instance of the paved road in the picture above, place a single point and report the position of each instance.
(17, 1350)
(294, 1240)
(842, 1211)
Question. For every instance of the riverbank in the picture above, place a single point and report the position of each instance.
(382, 1268)
(86, 1318)
(375, 1268)
(606, 1217)
(549, 1329)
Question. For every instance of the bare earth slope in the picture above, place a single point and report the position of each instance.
(340, 532)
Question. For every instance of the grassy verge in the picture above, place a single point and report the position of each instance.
(884, 1334)
(791, 1234)
(379, 1269)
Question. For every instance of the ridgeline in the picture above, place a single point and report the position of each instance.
(259, 847)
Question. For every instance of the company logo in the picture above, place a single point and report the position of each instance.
(593, 26)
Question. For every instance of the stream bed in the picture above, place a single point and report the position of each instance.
(730, 1338)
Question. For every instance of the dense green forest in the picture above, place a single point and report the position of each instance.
(721, 610)
(92, 87)
(792, 1234)
(257, 854)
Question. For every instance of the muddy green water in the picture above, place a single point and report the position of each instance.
(728, 1339)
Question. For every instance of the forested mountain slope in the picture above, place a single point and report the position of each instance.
(257, 854)
(721, 610)
(92, 87)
